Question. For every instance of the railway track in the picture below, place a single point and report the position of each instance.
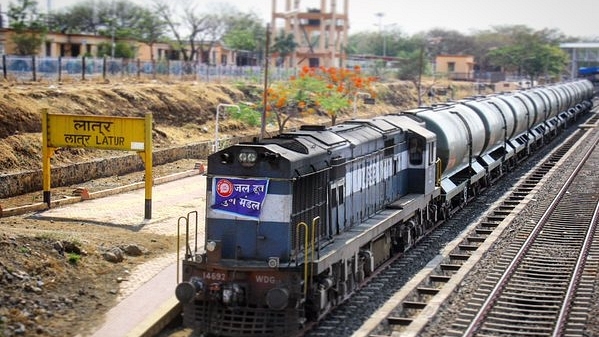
(532, 290)
(408, 311)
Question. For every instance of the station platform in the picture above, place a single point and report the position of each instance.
(150, 290)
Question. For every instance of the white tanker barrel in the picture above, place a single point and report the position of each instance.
(493, 122)
(552, 101)
(539, 107)
(508, 114)
(449, 125)
(520, 114)
(529, 111)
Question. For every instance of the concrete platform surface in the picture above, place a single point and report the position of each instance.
(151, 286)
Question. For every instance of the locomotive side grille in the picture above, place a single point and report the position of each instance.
(212, 318)
(309, 202)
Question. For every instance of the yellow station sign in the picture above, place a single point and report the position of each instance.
(101, 132)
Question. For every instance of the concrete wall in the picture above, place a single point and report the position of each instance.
(31, 181)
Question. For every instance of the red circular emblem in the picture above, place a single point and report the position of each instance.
(224, 188)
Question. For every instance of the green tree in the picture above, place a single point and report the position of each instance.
(531, 54)
(28, 25)
(121, 50)
(242, 31)
(284, 45)
(150, 29)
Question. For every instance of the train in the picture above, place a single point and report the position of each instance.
(295, 223)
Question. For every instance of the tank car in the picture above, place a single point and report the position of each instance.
(295, 223)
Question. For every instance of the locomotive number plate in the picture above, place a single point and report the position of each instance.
(214, 276)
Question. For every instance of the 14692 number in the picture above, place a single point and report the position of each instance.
(214, 276)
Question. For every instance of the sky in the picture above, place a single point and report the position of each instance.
(571, 17)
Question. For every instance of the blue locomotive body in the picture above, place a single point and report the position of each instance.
(295, 223)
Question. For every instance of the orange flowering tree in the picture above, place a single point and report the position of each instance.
(342, 86)
(316, 90)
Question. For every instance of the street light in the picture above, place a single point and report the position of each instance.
(365, 94)
(385, 28)
(216, 124)
(380, 16)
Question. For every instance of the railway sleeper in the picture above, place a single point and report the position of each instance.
(468, 247)
(427, 291)
(408, 305)
(577, 318)
(439, 278)
(511, 316)
(506, 208)
(396, 320)
(511, 330)
(516, 198)
(450, 267)
(502, 213)
(483, 231)
(491, 222)
(511, 203)
(525, 189)
(459, 257)
(476, 239)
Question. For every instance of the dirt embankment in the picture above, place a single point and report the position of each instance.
(183, 112)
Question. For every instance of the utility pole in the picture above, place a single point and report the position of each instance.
(265, 94)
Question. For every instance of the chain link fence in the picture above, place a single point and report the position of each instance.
(33, 68)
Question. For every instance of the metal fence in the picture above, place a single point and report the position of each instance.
(32, 68)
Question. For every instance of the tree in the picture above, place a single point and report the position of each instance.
(28, 25)
(81, 18)
(531, 54)
(244, 32)
(326, 90)
(283, 46)
(150, 29)
(202, 29)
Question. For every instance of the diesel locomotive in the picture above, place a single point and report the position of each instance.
(295, 223)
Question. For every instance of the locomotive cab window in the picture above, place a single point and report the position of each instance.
(416, 149)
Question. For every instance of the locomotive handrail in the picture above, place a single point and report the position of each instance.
(309, 248)
(305, 254)
(439, 165)
(315, 223)
(188, 254)
(179, 238)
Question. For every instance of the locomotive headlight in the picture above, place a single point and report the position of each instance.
(210, 246)
(247, 157)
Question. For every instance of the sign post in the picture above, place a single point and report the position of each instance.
(99, 132)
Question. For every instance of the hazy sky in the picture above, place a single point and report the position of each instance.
(572, 17)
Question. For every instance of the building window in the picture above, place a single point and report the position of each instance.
(223, 60)
(450, 67)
